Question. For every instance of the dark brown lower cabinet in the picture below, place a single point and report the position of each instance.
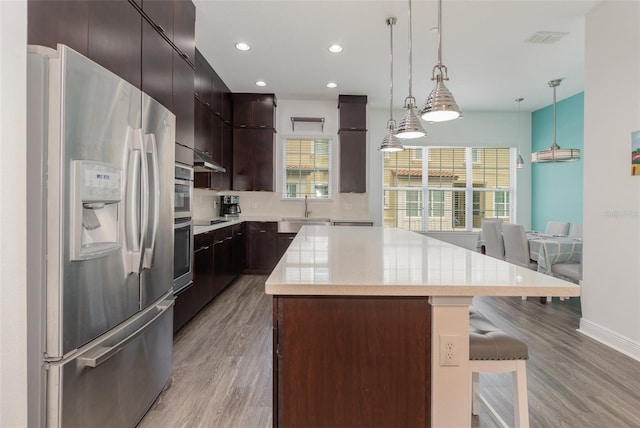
(284, 240)
(351, 361)
(261, 243)
(222, 275)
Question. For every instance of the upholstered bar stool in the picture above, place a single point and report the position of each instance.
(491, 350)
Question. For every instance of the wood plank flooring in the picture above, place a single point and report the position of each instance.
(222, 367)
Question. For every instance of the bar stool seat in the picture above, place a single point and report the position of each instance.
(491, 350)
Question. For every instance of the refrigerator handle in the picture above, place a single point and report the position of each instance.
(103, 354)
(152, 148)
(137, 203)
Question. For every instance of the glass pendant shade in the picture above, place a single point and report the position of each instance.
(391, 143)
(520, 162)
(410, 126)
(440, 105)
(555, 153)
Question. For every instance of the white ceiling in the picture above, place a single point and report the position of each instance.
(483, 46)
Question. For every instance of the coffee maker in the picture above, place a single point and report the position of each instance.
(230, 206)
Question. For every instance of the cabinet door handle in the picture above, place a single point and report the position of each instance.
(185, 56)
(291, 238)
(263, 231)
(159, 27)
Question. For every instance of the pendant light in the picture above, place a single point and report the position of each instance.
(391, 143)
(519, 160)
(440, 105)
(410, 126)
(555, 153)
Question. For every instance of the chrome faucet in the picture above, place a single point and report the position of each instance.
(306, 207)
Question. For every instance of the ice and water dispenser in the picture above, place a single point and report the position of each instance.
(95, 199)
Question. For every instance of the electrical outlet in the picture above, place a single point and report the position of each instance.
(449, 350)
(348, 207)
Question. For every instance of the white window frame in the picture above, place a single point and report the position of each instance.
(331, 166)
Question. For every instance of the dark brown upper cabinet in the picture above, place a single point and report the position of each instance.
(184, 25)
(254, 110)
(157, 66)
(252, 159)
(115, 39)
(353, 161)
(202, 85)
(353, 112)
(51, 22)
(183, 108)
(161, 13)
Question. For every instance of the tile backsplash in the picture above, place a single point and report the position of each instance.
(271, 204)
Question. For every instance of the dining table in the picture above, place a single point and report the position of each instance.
(548, 250)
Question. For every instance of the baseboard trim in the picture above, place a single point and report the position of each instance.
(610, 338)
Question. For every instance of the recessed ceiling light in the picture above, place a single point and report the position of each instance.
(261, 83)
(242, 46)
(335, 48)
(332, 85)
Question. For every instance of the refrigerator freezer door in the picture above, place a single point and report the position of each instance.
(158, 130)
(100, 119)
(113, 381)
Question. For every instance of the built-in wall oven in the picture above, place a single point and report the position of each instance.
(183, 228)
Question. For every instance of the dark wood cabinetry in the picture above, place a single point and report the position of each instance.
(157, 66)
(353, 143)
(160, 12)
(284, 240)
(237, 249)
(252, 159)
(254, 110)
(352, 112)
(65, 21)
(183, 108)
(184, 25)
(261, 246)
(353, 161)
(349, 378)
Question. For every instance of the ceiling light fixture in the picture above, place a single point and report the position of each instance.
(519, 160)
(332, 85)
(410, 126)
(555, 153)
(391, 143)
(261, 83)
(440, 105)
(242, 46)
(335, 48)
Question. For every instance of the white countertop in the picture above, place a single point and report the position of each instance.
(375, 261)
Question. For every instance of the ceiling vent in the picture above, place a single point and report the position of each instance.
(546, 37)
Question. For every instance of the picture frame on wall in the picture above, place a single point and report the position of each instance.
(635, 153)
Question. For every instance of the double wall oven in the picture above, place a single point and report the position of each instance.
(183, 228)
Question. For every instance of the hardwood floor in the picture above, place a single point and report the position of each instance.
(222, 367)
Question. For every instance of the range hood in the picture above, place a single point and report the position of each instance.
(202, 162)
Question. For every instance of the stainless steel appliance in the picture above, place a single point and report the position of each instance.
(230, 206)
(103, 246)
(183, 228)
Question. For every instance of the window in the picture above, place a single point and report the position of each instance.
(501, 204)
(461, 186)
(307, 168)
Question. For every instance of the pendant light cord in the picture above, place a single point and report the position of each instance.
(440, 32)
(391, 22)
(410, 53)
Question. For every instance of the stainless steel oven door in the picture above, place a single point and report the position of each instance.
(183, 199)
(183, 253)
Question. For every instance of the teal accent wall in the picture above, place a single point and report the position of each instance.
(556, 188)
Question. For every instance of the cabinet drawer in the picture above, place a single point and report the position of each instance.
(262, 226)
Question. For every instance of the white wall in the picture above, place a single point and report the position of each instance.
(611, 286)
(13, 288)
(476, 129)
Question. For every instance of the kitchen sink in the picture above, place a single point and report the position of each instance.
(294, 224)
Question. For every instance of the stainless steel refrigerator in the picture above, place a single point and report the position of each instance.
(100, 243)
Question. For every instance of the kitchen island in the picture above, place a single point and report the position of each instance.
(361, 316)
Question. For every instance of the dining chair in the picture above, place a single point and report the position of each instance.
(576, 231)
(493, 243)
(557, 228)
(516, 246)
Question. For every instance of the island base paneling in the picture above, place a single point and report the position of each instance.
(352, 361)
